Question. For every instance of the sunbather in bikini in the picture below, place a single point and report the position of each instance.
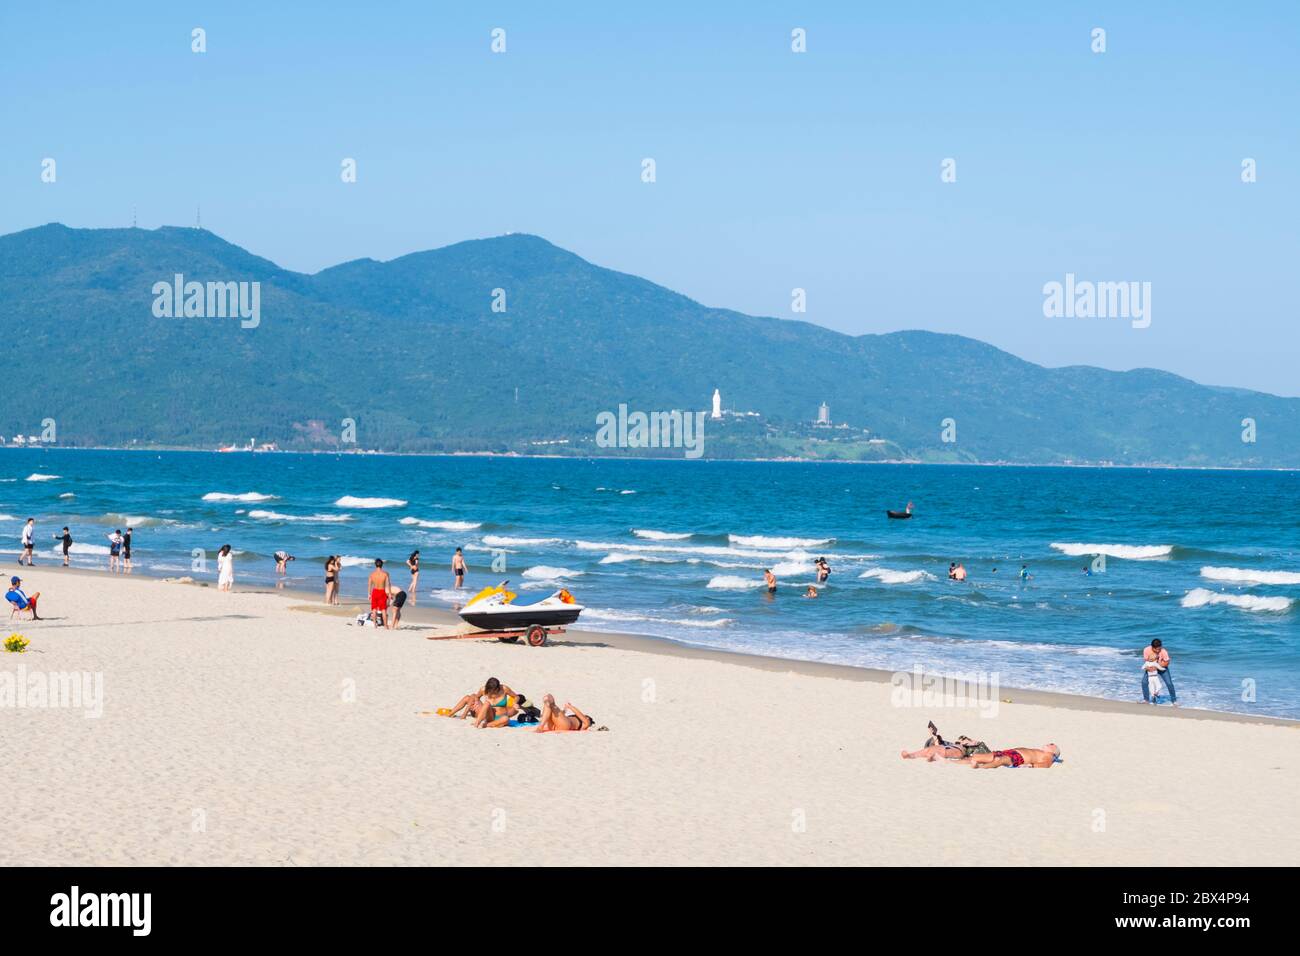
(474, 704)
(1017, 757)
(555, 719)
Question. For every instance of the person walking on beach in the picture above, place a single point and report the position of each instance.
(413, 565)
(29, 535)
(126, 551)
(114, 548)
(1157, 655)
(66, 538)
(458, 567)
(378, 585)
(225, 568)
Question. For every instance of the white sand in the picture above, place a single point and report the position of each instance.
(226, 738)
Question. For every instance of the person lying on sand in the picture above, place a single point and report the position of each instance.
(474, 704)
(1017, 757)
(936, 748)
(555, 719)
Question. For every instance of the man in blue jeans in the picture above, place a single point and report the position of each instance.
(1157, 653)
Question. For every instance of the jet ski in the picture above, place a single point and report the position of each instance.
(500, 609)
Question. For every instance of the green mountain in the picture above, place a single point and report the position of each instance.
(413, 352)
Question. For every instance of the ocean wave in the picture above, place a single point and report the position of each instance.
(351, 501)
(660, 535)
(9, 518)
(890, 576)
(352, 561)
(627, 617)
(1248, 576)
(622, 557)
(545, 572)
(443, 525)
(261, 515)
(506, 541)
(777, 544)
(1200, 597)
(1132, 552)
(249, 496)
(787, 568)
(729, 582)
(37, 476)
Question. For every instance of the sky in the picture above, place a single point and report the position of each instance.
(774, 170)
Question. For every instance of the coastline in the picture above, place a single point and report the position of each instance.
(1097, 466)
(310, 601)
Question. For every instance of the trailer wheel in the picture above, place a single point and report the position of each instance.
(536, 636)
(508, 640)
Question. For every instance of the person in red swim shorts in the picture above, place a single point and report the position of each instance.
(378, 585)
(1017, 757)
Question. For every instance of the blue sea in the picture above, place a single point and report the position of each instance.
(1208, 561)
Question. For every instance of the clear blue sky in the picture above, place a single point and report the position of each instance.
(775, 170)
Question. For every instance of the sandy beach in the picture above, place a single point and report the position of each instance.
(260, 728)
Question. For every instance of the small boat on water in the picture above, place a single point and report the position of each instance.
(499, 608)
(901, 514)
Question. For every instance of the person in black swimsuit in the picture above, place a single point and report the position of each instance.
(126, 551)
(413, 564)
(331, 581)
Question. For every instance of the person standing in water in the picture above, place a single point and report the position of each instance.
(126, 551)
(66, 538)
(823, 570)
(458, 567)
(114, 548)
(769, 579)
(413, 565)
(1024, 573)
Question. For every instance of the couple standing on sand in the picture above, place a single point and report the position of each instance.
(1156, 680)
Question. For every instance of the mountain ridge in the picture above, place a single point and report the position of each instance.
(412, 351)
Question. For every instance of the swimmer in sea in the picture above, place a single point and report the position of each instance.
(769, 579)
(811, 592)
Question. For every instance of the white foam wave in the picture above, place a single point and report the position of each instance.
(1132, 552)
(544, 572)
(621, 557)
(351, 501)
(37, 476)
(891, 576)
(249, 496)
(729, 582)
(67, 494)
(1249, 576)
(276, 516)
(779, 544)
(1200, 597)
(660, 535)
(506, 541)
(443, 525)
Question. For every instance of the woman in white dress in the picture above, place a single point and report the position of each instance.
(225, 568)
